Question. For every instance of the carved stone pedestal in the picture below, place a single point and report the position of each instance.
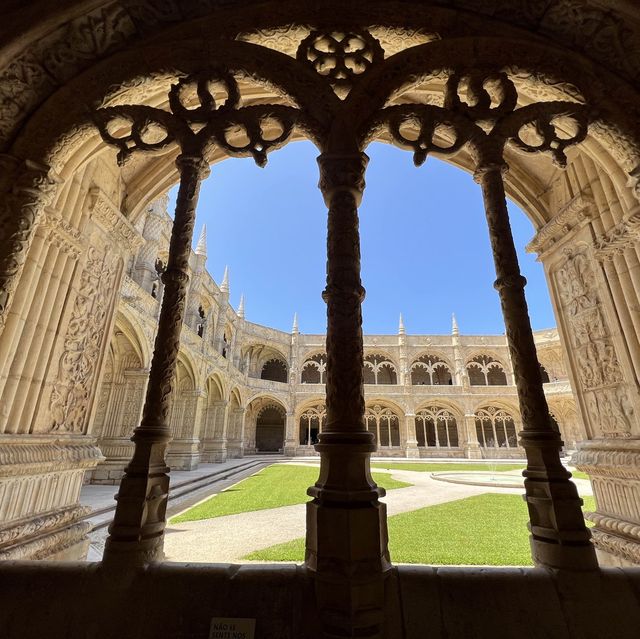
(40, 482)
(613, 466)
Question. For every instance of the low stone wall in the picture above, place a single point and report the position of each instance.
(54, 600)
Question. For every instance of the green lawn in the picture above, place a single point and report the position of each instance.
(437, 467)
(272, 487)
(487, 529)
(577, 474)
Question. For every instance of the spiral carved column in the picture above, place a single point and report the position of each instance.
(136, 534)
(559, 537)
(346, 524)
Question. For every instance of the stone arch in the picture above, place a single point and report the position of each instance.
(213, 432)
(311, 418)
(438, 425)
(496, 429)
(276, 370)
(120, 400)
(267, 416)
(379, 368)
(486, 369)
(382, 419)
(313, 369)
(255, 354)
(538, 56)
(431, 369)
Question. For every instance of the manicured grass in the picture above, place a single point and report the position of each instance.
(487, 529)
(437, 467)
(578, 474)
(272, 487)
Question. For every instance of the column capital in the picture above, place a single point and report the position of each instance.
(341, 173)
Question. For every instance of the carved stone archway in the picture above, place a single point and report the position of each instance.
(340, 85)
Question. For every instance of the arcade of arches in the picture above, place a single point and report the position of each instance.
(105, 104)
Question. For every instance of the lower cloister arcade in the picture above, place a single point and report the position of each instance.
(105, 105)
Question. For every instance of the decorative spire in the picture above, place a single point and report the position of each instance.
(224, 287)
(201, 247)
(241, 307)
(401, 330)
(294, 329)
(454, 325)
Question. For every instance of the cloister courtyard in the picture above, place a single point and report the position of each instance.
(261, 517)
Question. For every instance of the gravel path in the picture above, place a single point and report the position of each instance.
(226, 539)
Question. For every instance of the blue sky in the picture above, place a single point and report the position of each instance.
(425, 246)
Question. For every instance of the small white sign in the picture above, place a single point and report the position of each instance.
(232, 628)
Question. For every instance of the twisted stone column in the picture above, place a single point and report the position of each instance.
(559, 537)
(346, 524)
(136, 534)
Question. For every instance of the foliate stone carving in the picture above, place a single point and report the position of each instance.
(49, 545)
(611, 411)
(41, 524)
(340, 56)
(617, 546)
(285, 39)
(82, 346)
(618, 239)
(83, 40)
(578, 210)
(62, 234)
(109, 217)
(30, 188)
(396, 39)
(599, 370)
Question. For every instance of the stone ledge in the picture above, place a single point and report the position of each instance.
(179, 601)
(29, 454)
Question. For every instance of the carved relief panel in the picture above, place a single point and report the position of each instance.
(84, 341)
(598, 370)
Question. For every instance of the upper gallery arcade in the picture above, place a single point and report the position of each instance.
(104, 105)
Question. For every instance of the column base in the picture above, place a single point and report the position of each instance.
(235, 450)
(214, 452)
(290, 448)
(472, 451)
(412, 452)
(613, 466)
(346, 545)
(183, 454)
